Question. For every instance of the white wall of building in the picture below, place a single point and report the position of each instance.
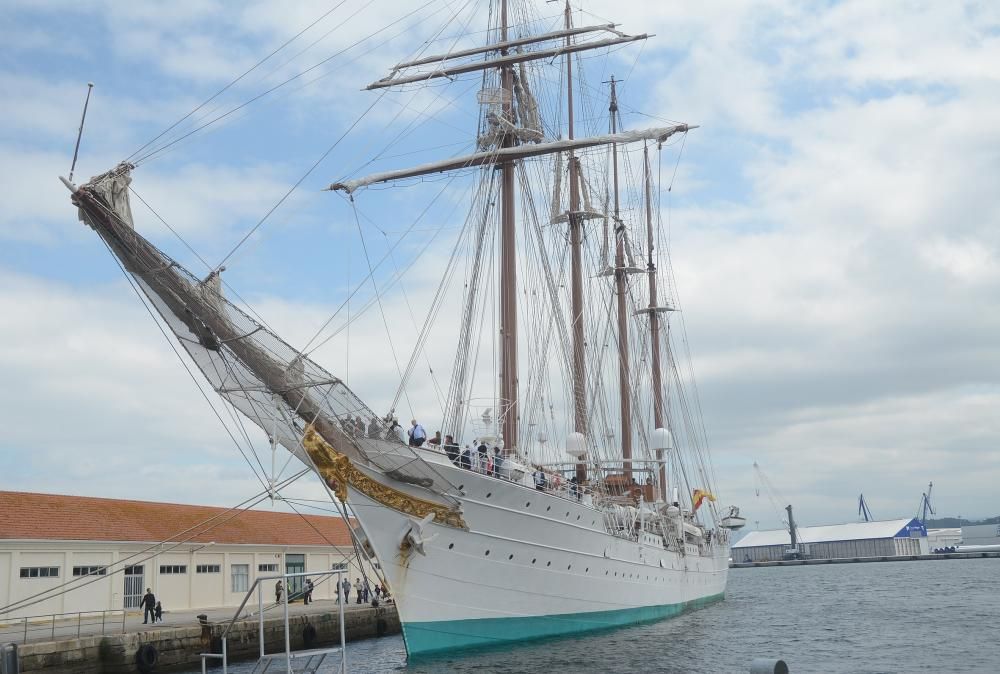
(188, 589)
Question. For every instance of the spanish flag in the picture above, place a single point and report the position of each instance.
(700, 495)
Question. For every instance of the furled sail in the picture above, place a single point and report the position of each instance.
(272, 384)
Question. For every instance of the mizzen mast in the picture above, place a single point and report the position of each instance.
(654, 311)
(624, 377)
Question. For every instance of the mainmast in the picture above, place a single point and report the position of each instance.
(508, 263)
(576, 265)
(624, 387)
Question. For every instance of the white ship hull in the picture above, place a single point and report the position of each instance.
(531, 564)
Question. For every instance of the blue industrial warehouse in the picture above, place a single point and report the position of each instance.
(887, 538)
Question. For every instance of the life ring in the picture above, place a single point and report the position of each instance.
(309, 635)
(146, 658)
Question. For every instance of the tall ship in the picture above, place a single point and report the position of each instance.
(572, 490)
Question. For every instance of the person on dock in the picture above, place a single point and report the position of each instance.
(346, 587)
(307, 597)
(436, 440)
(358, 588)
(148, 604)
(278, 590)
(158, 617)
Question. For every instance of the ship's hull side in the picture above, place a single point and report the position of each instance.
(530, 565)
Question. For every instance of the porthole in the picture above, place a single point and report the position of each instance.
(509, 557)
(451, 545)
(534, 560)
(606, 572)
(528, 504)
(567, 513)
(548, 563)
(487, 553)
(577, 517)
(548, 509)
(461, 487)
(593, 522)
(489, 494)
(587, 570)
(569, 566)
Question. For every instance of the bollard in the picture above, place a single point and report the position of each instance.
(768, 666)
(8, 659)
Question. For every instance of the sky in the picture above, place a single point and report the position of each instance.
(834, 230)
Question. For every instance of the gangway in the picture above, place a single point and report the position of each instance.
(305, 661)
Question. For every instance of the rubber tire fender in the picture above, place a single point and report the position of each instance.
(146, 658)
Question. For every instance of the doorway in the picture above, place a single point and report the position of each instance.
(295, 564)
(134, 576)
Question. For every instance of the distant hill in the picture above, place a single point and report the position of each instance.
(955, 522)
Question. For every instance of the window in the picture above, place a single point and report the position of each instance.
(342, 566)
(267, 568)
(241, 577)
(173, 568)
(39, 572)
(90, 570)
(208, 568)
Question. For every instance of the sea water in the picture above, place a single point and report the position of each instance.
(898, 617)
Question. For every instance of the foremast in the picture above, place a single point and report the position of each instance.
(508, 261)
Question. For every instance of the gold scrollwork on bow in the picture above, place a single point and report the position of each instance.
(338, 472)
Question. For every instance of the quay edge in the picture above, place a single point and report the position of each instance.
(864, 560)
(180, 648)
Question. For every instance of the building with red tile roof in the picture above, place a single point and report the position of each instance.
(61, 553)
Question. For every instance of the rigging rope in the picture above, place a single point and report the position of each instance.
(233, 82)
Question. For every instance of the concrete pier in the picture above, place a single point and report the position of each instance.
(180, 641)
(863, 560)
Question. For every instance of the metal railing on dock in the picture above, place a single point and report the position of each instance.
(67, 625)
(313, 658)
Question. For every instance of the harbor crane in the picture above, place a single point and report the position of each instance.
(863, 510)
(793, 551)
(925, 506)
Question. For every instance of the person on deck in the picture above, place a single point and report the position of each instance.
(451, 448)
(497, 462)
(417, 434)
(539, 478)
(467, 458)
(436, 440)
(483, 451)
(148, 604)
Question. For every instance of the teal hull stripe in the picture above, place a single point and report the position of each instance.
(445, 635)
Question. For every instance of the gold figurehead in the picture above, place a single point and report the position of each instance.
(338, 472)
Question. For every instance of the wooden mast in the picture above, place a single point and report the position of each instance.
(624, 386)
(576, 263)
(508, 413)
(654, 323)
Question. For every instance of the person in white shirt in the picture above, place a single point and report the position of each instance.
(417, 434)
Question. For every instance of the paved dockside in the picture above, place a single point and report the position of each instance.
(180, 639)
